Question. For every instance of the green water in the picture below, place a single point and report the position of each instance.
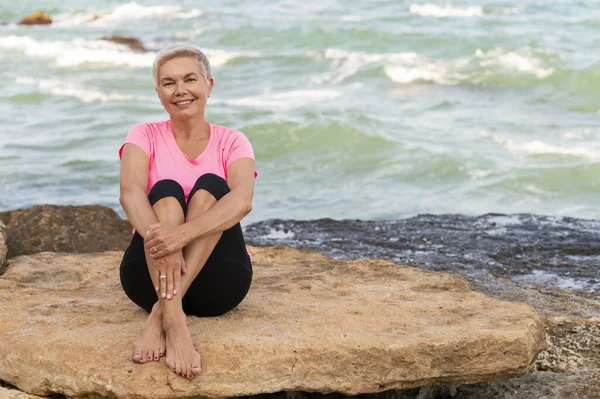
(355, 109)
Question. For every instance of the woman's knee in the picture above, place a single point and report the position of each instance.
(167, 188)
(211, 183)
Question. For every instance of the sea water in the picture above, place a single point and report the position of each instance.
(356, 109)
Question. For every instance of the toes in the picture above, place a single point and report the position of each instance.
(196, 367)
(178, 368)
(161, 351)
(144, 354)
(137, 357)
(156, 355)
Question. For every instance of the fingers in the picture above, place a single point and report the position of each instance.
(176, 279)
(170, 278)
(163, 284)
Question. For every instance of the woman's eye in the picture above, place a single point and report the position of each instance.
(190, 80)
(168, 83)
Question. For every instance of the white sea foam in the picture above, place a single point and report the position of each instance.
(77, 51)
(219, 57)
(347, 63)
(448, 10)
(544, 277)
(278, 234)
(409, 67)
(84, 93)
(524, 61)
(80, 51)
(131, 11)
(286, 100)
(538, 147)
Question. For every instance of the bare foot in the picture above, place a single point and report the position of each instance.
(151, 345)
(182, 358)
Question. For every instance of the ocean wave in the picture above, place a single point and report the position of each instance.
(448, 10)
(285, 101)
(77, 51)
(86, 94)
(80, 51)
(538, 147)
(526, 60)
(347, 63)
(497, 66)
(125, 12)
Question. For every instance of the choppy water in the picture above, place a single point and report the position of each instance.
(356, 109)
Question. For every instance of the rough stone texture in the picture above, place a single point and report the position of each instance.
(571, 344)
(3, 244)
(309, 324)
(37, 18)
(14, 394)
(74, 229)
(130, 42)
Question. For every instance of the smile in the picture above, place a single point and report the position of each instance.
(186, 102)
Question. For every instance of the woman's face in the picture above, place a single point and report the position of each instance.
(182, 87)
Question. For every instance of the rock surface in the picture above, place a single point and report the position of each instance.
(309, 323)
(37, 18)
(551, 263)
(130, 42)
(74, 229)
(14, 394)
(3, 245)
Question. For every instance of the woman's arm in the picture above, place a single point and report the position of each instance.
(226, 213)
(134, 182)
(232, 207)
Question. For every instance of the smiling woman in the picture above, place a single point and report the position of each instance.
(187, 184)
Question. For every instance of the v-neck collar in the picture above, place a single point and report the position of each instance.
(198, 159)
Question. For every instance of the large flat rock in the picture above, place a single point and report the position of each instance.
(309, 323)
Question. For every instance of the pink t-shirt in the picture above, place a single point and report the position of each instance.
(167, 161)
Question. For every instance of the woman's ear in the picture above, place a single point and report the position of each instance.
(211, 83)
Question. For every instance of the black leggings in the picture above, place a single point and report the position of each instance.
(224, 280)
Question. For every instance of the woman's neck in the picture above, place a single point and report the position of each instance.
(190, 128)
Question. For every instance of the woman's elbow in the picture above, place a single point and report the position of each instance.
(247, 207)
(124, 196)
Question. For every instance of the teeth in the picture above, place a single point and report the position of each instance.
(184, 102)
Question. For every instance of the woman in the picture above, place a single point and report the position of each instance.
(185, 186)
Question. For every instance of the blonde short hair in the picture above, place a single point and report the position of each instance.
(180, 50)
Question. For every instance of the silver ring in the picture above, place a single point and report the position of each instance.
(163, 277)
(154, 250)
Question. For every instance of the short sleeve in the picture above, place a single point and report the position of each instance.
(240, 148)
(140, 135)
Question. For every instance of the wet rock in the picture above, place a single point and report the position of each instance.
(74, 229)
(37, 18)
(130, 42)
(309, 323)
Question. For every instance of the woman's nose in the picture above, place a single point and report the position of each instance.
(180, 88)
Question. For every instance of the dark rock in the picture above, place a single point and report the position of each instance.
(37, 18)
(54, 228)
(131, 42)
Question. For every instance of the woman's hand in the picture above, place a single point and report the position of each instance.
(162, 240)
(166, 274)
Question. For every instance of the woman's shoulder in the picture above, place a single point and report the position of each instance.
(226, 134)
(151, 128)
